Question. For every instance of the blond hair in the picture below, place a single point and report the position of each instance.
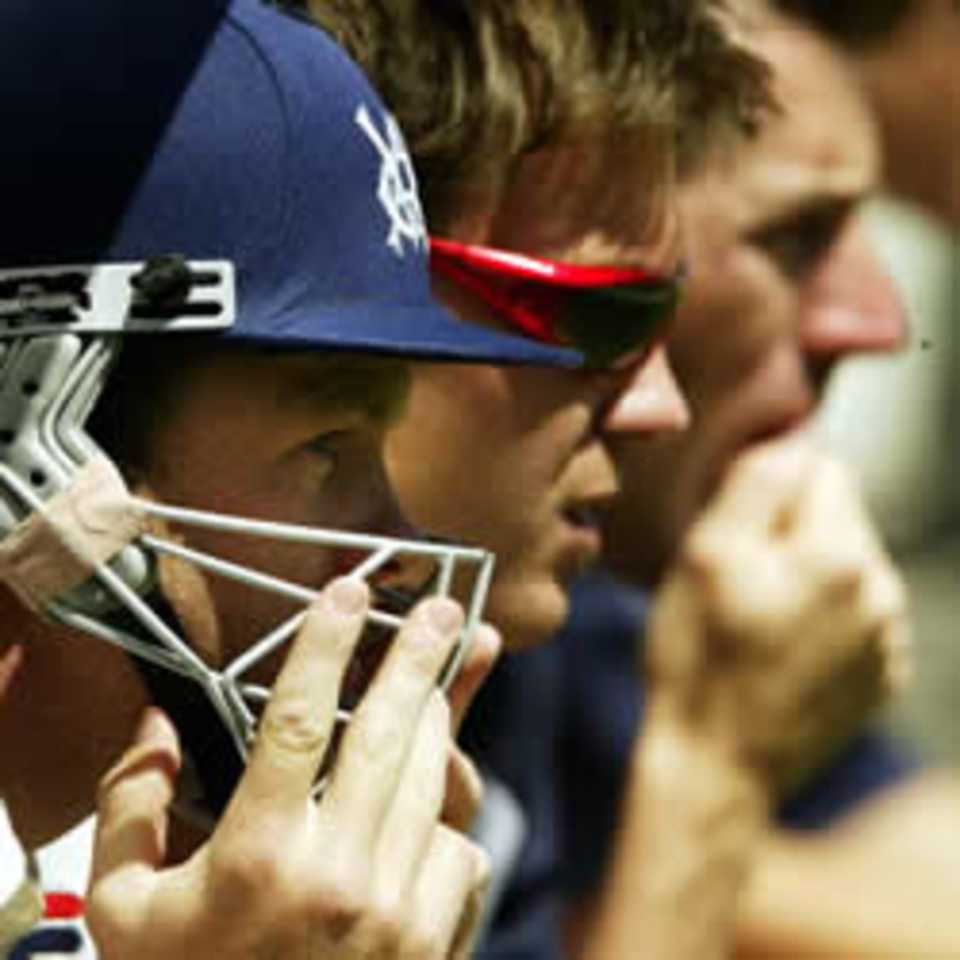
(476, 84)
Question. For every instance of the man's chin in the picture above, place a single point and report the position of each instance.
(527, 614)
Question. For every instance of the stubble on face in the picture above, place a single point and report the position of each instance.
(513, 458)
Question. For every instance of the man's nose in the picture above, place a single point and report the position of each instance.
(648, 400)
(851, 304)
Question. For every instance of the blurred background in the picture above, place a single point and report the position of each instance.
(897, 419)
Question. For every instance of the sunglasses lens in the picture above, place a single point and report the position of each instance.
(612, 326)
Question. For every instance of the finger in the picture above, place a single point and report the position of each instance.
(761, 487)
(464, 791)
(864, 603)
(472, 919)
(897, 643)
(476, 667)
(134, 797)
(10, 662)
(410, 822)
(379, 737)
(729, 598)
(450, 892)
(886, 606)
(298, 722)
(831, 511)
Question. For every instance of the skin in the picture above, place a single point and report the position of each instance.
(274, 463)
(728, 684)
(304, 447)
(357, 872)
(729, 695)
(784, 287)
(544, 455)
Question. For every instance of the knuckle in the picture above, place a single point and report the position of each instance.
(294, 726)
(242, 871)
(832, 569)
(388, 928)
(336, 909)
(843, 578)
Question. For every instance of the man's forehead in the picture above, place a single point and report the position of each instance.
(822, 147)
(598, 200)
(343, 381)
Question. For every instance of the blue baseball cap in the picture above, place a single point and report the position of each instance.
(241, 134)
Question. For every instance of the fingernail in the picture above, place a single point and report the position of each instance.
(348, 595)
(444, 615)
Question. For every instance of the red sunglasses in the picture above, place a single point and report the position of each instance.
(613, 315)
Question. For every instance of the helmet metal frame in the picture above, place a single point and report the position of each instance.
(61, 330)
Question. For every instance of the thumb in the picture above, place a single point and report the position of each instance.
(134, 799)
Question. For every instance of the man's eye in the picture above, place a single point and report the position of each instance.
(327, 446)
(799, 244)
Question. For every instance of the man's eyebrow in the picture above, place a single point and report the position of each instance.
(375, 387)
(798, 239)
(818, 213)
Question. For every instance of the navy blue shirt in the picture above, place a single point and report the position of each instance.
(556, 726)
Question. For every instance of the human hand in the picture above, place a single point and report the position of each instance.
(368, 871)
(783, 622)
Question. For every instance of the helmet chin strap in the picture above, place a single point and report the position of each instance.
(76, 546)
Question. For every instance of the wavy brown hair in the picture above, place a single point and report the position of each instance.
(476, 84)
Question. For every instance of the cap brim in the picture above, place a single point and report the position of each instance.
(425, 332)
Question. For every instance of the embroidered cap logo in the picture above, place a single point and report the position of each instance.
(397, 187)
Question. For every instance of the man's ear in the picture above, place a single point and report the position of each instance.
(185, 586)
